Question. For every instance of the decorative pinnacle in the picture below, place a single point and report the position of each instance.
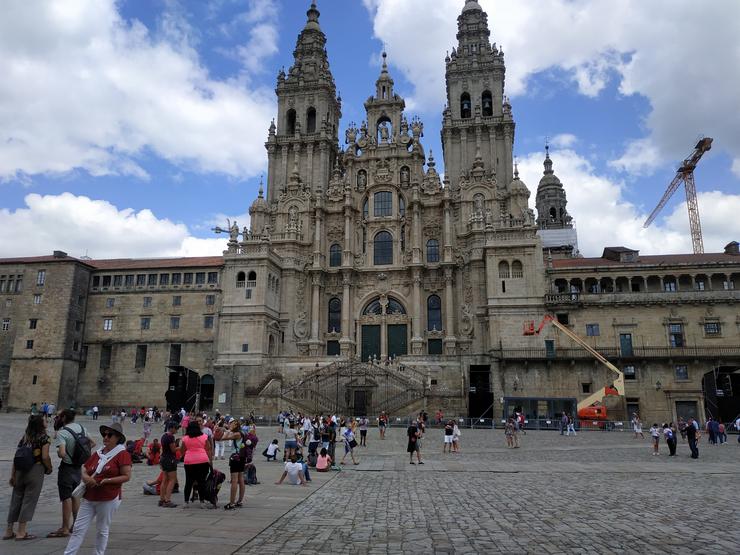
(548, 162)
(516, 168)
(261, 192)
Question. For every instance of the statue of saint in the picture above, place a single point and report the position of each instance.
(405, 175)
(361, 180)
(234, 232)
(384, 132)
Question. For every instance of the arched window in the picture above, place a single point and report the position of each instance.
(373, 308)
(290, 122)
(335, 255)
(487, 103)
(252, 276)
(401, 206)
(311, 120)
(382, 204)
(434, 313)
(271, 345)
(503, 269)
(394, 307)
(432, 250)
(553, 214)
(517, 270)
(240, 278)
(465, 106)
(365, 211)
(335, 316)
(383, 249)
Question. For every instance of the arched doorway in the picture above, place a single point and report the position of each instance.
(207, 385)
(384, 329)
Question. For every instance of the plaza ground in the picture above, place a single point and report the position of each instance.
(599, 492)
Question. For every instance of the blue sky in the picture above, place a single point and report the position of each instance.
(130, 128)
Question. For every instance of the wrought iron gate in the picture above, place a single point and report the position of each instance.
(357, 389)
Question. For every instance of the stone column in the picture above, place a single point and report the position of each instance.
(416, 256)
(345, 343)
(383, 336)
(310, 177)
(417, 341)
(447, 255)
(315, 341)
(450, 338)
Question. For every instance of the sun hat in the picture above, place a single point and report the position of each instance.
(114, 427)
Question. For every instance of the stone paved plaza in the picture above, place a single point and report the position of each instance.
(598, 492)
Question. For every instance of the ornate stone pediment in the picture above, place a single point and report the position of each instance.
(383, 172)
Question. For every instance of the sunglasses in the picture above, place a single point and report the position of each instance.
(109, 434)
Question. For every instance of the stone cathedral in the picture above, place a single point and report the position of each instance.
(368, 282)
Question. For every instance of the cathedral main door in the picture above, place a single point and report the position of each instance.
(397, 340)
(370, 342)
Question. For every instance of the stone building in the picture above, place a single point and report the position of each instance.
(367, 281)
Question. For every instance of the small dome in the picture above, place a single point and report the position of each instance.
(472, 5)
(259, 204)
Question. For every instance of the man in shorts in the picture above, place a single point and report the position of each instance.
(168, 464)
(69, 475)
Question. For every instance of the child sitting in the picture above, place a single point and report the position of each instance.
(272, 450)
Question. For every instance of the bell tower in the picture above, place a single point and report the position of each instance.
(306, 133)
(477, 120)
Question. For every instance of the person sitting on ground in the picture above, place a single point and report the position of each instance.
(294, 472)
(154, 453)
(323, 462)
(272, 450)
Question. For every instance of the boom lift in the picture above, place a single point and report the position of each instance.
(591, 408)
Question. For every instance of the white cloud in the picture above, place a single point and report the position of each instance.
(80, 225)
(564, 140)
(736, 166)
(82, 88)
(682, 55)
(605, 218)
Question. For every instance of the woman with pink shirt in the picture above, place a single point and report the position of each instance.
(198, 457)
(323, 461)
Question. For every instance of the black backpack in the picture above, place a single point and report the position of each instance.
(23, 459)
(83, 447)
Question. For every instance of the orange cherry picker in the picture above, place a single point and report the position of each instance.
(591, 408)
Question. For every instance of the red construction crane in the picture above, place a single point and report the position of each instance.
(685, 175)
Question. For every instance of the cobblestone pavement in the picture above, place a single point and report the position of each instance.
(599, 492)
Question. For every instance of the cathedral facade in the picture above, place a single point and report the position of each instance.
(367, 281)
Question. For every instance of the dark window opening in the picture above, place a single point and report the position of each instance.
(434, 313)
(332, 348)
(434, 347)
(487, 103)
(432, 250)
(290, 118)
(335, 255)
(140, 356)
(311, 120)
(383, 249)
(175, 352)
(383, 204)
(335, 316)
(465, 106)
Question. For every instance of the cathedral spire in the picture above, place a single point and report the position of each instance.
(312, 16)
(548, 162)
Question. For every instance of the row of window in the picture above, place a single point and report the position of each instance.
(145, 322)
(681, 372)
(106, 356)
(383, 251)
(675, 332)
(142, 280)
(110, 302)
(515, 271)
(11, 284)
(375, 308)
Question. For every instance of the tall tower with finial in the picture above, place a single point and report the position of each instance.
(477, 118)
(554, 223)
(309, 110)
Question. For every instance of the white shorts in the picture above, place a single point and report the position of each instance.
(448, 439)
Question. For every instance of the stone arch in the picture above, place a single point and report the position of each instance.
(487, 104)
(503, 269)
(517, 269)
(290, 120)
(383, 248)
(252, 276)
(466, 106)
(311, 120)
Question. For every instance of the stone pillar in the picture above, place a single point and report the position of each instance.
(447, 255)
(383, 336)
(450, 339)
(348, 247)
(345, 343)
(315, 341)
(417, 341)
(310, 177)
(416, 256)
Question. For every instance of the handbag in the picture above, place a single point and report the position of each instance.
(353, 444)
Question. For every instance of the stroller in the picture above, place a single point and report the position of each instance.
(213, 486)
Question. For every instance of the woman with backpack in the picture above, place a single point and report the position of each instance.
(30, 464)
(237, 464)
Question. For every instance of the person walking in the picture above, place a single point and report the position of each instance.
(413, 445)
(69, 475)
(197, 459)
(382, 424)
(103, 474)
(563, 423)
(655, 434)
(27, 477)
(95, 412)
(168, 464)
(571, 425)
(669, 433)
(692, 434)
(364, 423)
(455, 438)
(349, 445)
